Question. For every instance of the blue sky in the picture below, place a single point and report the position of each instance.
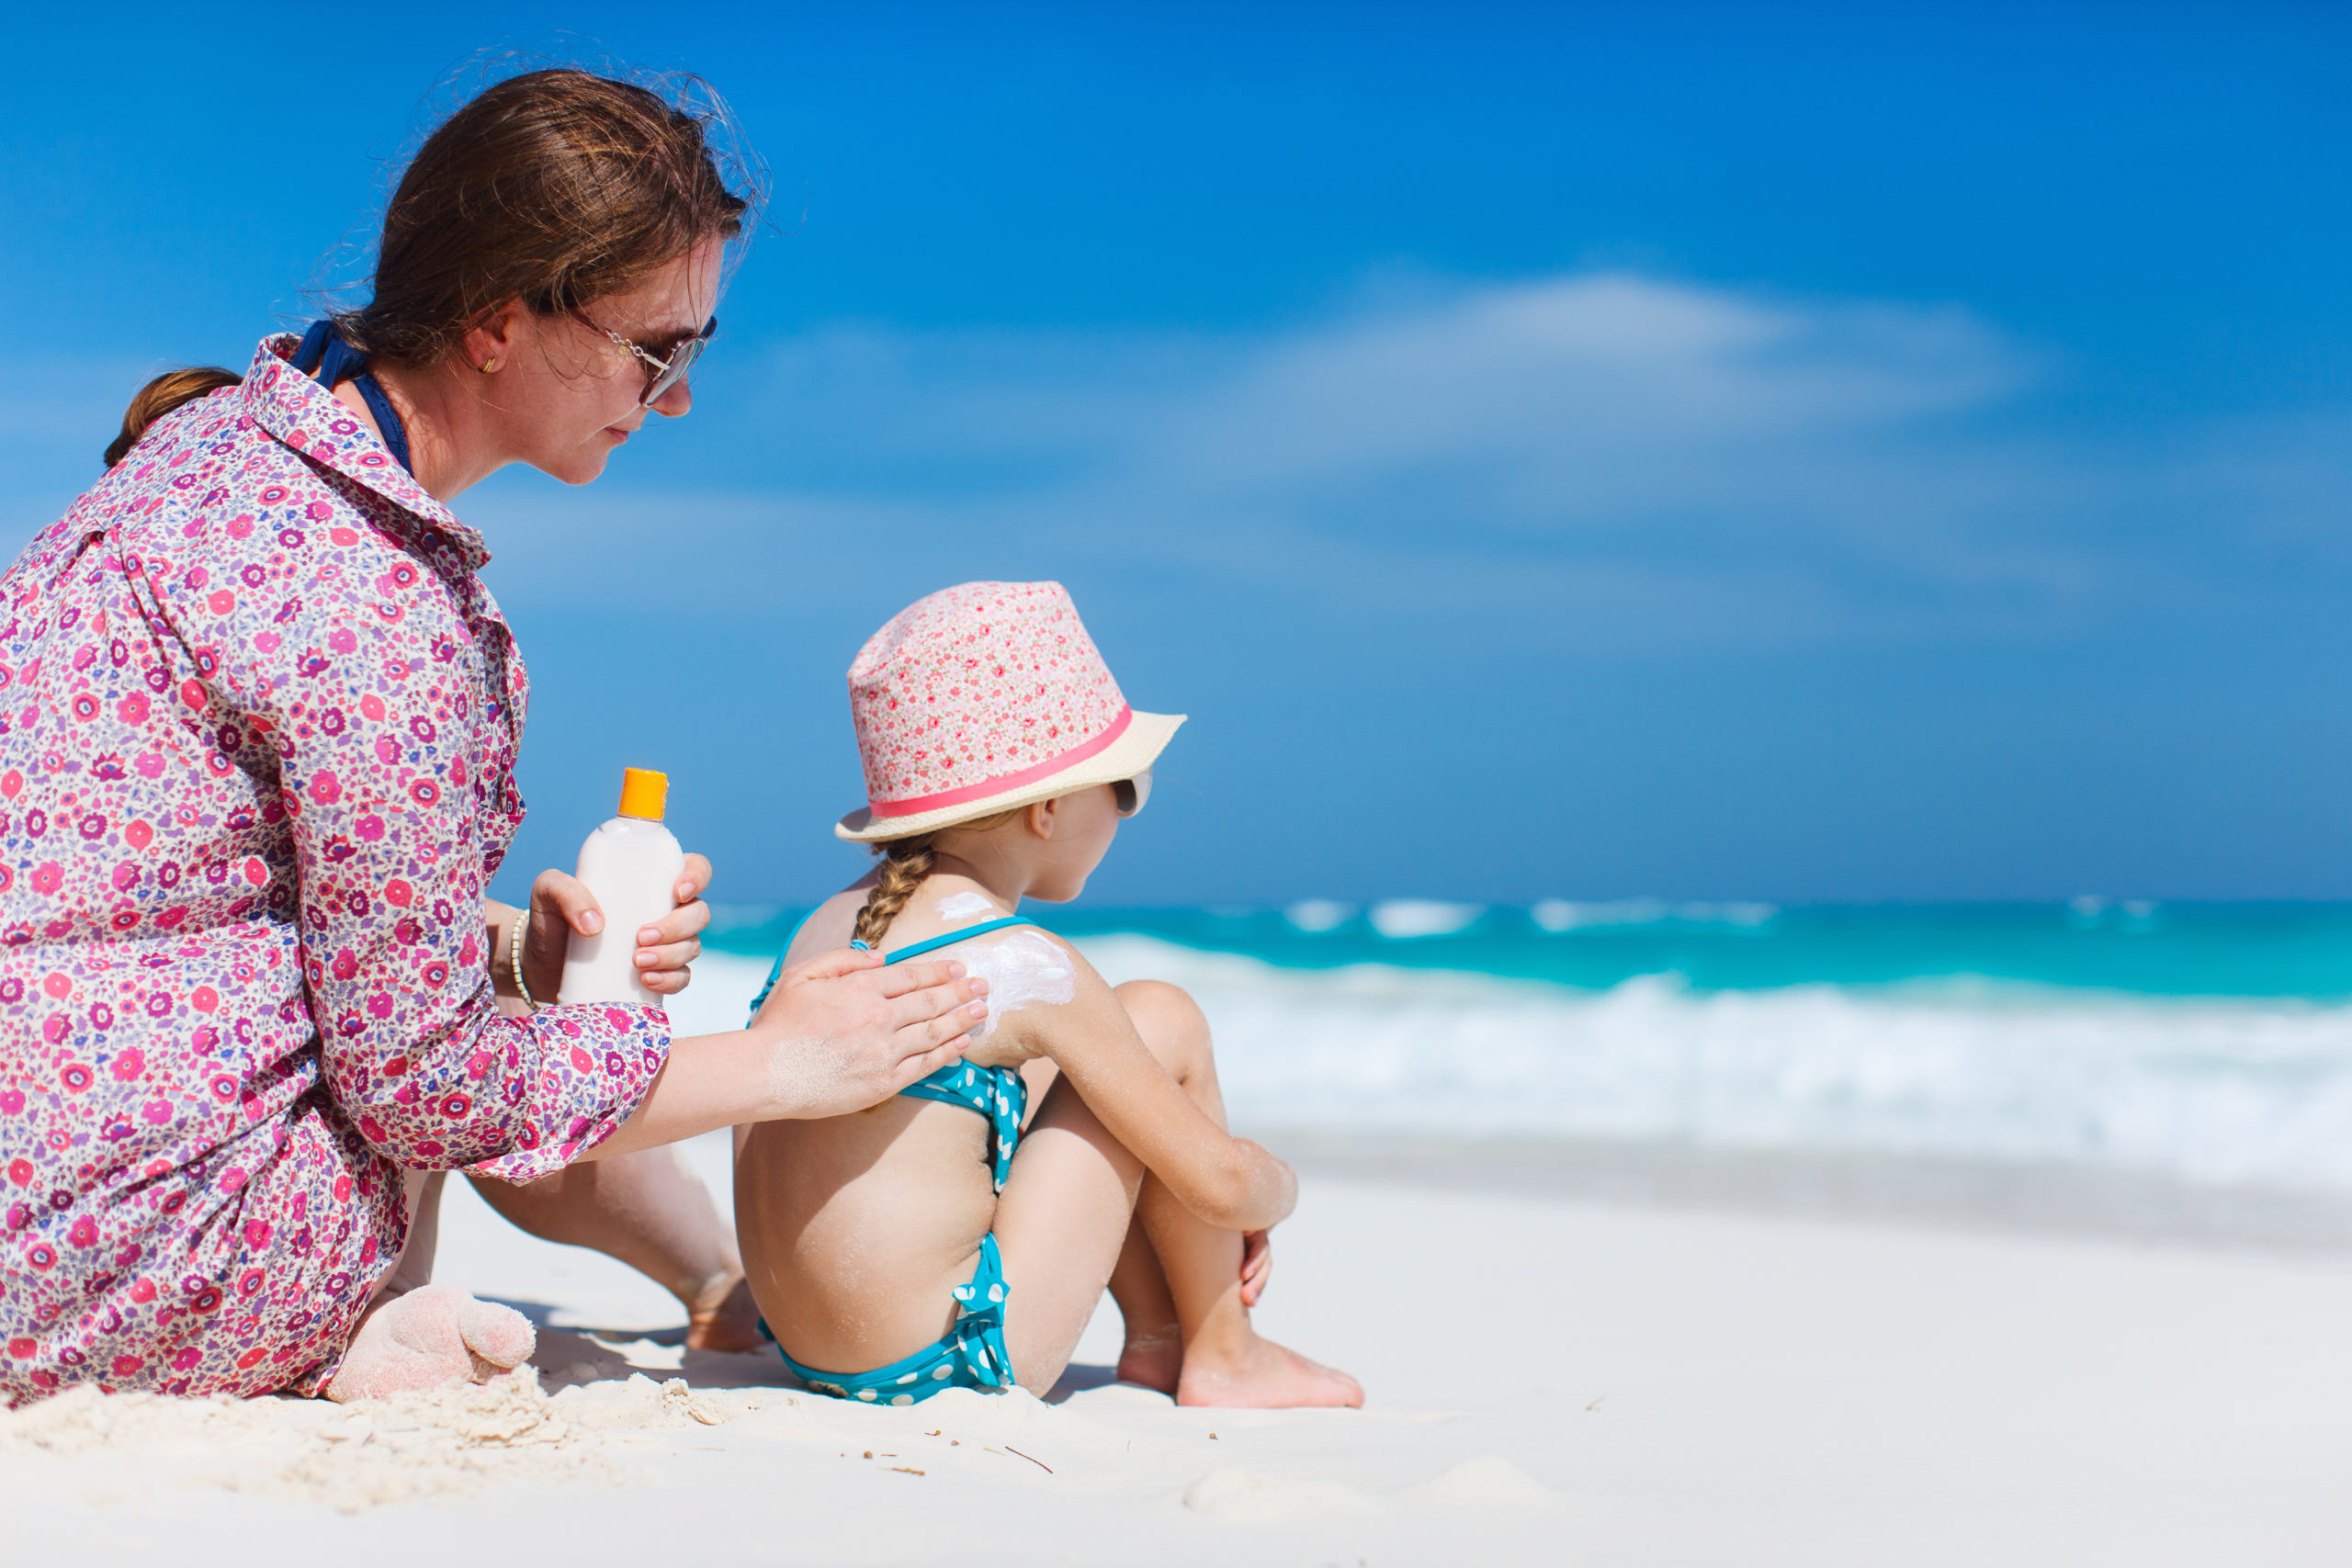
(1791, 452)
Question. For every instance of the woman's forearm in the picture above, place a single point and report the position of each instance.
(711, 1081)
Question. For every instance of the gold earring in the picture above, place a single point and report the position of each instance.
(488, 364)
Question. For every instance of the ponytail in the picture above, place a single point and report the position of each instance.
(160, 396)
(905, 863)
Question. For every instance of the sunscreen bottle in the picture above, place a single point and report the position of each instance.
(632, 865)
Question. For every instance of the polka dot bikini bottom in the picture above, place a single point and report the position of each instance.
(971, 1355)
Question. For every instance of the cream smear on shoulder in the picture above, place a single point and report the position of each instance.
(958, 908)
(1021, 968)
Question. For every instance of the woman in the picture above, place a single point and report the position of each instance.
(260, 724)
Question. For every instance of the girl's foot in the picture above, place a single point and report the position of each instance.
(433, 1334)
(1263, 1375)
(723, 1316)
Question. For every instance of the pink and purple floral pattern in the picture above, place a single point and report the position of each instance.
(258, 720)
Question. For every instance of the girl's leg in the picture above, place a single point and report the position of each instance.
(1059, 1225)
(652, 1213)
(1224, 1360)
(1153, 1354)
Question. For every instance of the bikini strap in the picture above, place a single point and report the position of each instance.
(949, 938)
(777, 973)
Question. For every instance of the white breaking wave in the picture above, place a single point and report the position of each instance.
(2205, 1091)
(1315, 916)
(1565, 915)
(1403, 917)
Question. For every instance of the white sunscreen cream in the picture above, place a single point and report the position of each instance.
(958, 908)
(1024, 967)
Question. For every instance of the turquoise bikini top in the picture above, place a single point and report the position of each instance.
(997, 1093)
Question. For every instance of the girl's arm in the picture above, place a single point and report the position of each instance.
(1228, 1182)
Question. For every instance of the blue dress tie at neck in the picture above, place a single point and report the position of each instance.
(324, 355)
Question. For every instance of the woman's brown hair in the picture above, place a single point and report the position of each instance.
(556, 187)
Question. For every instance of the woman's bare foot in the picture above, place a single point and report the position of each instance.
(430, 1335)
(1263, 1375)
(723, 1316)
(1152, 1358)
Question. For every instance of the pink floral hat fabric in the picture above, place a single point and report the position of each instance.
(982, 697)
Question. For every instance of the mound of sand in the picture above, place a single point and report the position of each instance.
(413, 1446)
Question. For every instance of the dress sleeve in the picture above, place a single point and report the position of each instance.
(366, 695)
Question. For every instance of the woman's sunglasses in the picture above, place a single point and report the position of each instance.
(1132, 793)
(661, 374)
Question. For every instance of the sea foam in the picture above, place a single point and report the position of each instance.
(2206, 1091)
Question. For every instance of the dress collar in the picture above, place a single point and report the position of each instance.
(304, 415)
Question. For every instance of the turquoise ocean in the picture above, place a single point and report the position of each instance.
(2202, 1043)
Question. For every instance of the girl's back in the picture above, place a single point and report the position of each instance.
(855, 1229)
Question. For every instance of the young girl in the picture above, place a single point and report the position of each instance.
(945, 1237)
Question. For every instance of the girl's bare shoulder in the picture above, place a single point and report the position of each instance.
(1043, 992)
(829, 926)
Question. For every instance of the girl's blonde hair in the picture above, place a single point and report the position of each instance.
(904, 865)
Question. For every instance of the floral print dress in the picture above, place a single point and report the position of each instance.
(258, 719)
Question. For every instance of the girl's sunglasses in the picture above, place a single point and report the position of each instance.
(660, 374)
(1132, 793)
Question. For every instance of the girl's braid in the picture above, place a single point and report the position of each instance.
(905, 864)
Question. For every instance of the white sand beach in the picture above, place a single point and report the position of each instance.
(1550, 1381)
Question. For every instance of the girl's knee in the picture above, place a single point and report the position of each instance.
(1168, 1018)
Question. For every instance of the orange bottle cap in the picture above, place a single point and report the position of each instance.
(644, 793)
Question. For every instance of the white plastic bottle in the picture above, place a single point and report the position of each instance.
(632, 865)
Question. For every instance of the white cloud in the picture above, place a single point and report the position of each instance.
(1556, 381)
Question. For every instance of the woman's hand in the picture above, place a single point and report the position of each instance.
(562, 904)
(838, 1034)
(842, 1032)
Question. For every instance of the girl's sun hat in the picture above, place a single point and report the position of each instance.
(983, 697)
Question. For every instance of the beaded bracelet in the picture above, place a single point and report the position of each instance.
(514, 957)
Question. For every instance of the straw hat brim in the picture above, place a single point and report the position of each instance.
(1137, 747)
